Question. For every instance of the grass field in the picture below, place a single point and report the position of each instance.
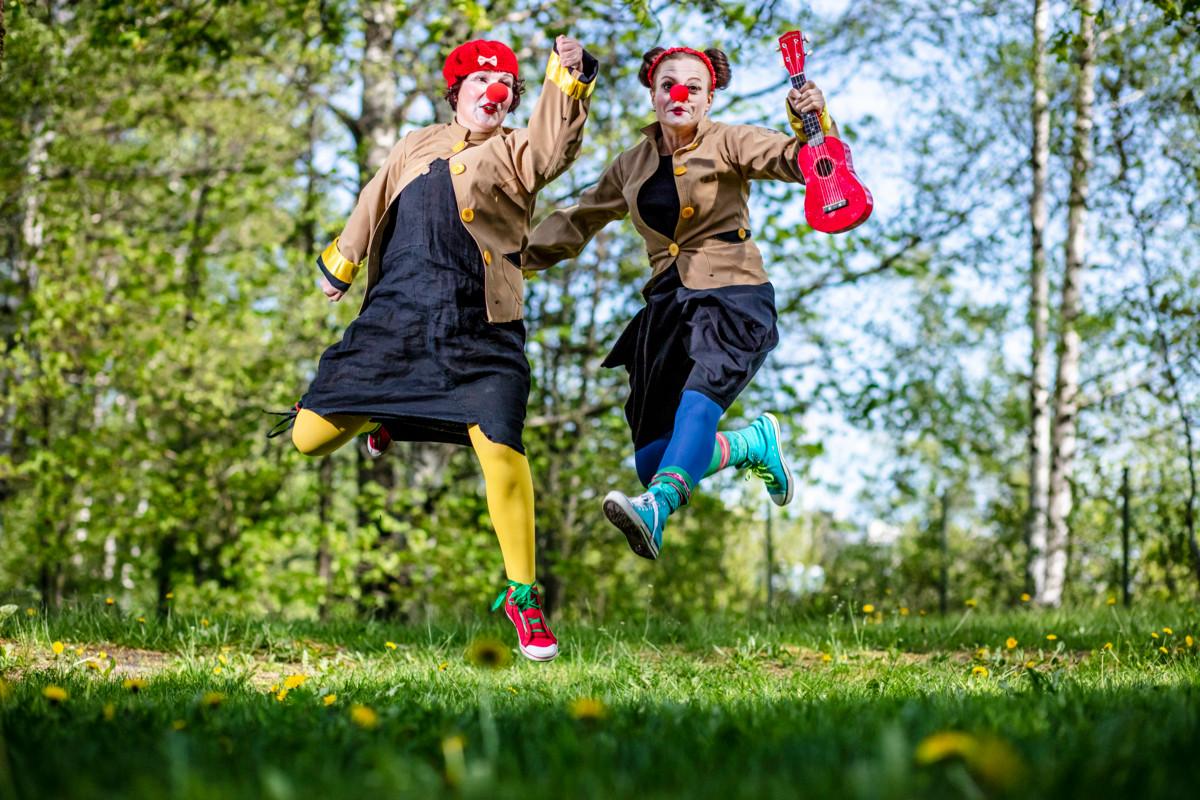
(96, 703)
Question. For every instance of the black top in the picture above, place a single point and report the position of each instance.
(658, 199)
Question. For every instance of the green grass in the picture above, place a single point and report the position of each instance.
(821, 707)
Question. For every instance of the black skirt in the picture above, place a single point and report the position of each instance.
(422, 356)
(710, 341)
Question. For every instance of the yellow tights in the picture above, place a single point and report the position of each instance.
(506, 477)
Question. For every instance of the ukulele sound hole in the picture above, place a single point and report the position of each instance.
(824, 167)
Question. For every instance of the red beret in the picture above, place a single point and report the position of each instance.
(477, 55)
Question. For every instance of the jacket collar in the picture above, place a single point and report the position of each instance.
(653, 132)
(460, 134)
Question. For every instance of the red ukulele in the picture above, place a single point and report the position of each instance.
(835, 200)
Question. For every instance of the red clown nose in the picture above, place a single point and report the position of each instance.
(497, 92)
(680, 93)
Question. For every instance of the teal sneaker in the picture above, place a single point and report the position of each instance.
(640, 518)
(765, 459)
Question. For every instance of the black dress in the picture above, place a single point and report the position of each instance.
(422, 356)
(710, 341)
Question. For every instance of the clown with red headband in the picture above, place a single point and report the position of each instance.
(709, 319)
(437, 352)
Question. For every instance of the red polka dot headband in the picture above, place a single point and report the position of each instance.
(712, 73)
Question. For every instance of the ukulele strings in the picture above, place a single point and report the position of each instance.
(828, 187)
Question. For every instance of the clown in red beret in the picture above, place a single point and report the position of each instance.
(437, 352)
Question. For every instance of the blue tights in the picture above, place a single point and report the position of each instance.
(689, 446)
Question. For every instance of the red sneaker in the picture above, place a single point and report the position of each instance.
(378, 441)
(523, 608)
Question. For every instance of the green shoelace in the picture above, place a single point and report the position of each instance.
(524, 597)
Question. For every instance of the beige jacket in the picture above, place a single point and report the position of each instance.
(496, 179)
(713, 176)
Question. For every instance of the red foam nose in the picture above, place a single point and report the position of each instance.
(497, 92)
(680, 93)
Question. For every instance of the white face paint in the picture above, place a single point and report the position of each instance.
(475, 111)
(691, 72)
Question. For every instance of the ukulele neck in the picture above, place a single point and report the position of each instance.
(809, 121)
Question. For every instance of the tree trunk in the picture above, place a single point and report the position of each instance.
(1066, 390)
(376, 123)
(1039, 316)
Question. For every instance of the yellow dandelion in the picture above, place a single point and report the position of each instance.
(142, 620)
(390, 645)
(58, 648)
(972, 602)
(588, 709)
(825, 657)
(489, 653)
(223, 659)
(1108, 645)
(1188, 640)
(456, 765)
(102, 655)
(363, 717)
(204, 622)
(29, 612)
(993, 761)
(1030, 664)
(1112, 601)
(217, 670)
(1010, 643)
(1051, 637)
(281, 695)
(442, 667)
(293, 681)
(1025, 597)
(79, 651)
(1153, 635)
(944, 745)
(178, 725)
(92, 663)
(1168, 631)
(273, 689)
(108, 601)
(212, 699)
(109, 711)
(1163, 650)
(169, 596)
(55, 694)
(134, 685)
(868, 608)
(979, 671)
(904, 611)
(329, 699)
(981, 652)
(512, 689)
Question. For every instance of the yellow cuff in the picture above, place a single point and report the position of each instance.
(798, 125)
(563, 79)
(335, 264)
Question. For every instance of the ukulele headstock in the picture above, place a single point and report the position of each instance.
(791, 45)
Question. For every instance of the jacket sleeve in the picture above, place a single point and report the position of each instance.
(547, 147)
(342, 259)
(565, 233)
(763, 153)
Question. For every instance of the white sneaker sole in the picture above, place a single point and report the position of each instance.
(539, 653)
(787, 471)
(620, 513)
